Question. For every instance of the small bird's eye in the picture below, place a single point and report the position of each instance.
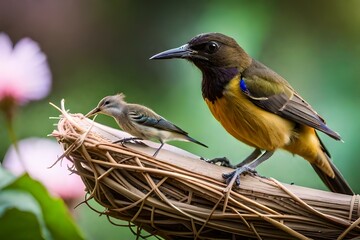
(107, 102)
(211, 47)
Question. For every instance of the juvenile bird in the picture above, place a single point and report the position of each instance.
(140, 121)
(258, 107)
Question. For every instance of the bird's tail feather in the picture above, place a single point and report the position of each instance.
(337, 184)
(195, 141)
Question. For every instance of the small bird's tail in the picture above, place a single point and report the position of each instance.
(337, 184)
(195, 141)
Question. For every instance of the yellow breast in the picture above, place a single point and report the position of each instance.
(247, 122)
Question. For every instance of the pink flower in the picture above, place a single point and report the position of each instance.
(24, 71)
(38, 154)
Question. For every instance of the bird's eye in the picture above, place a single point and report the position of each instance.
(211, 47)
(107, 102)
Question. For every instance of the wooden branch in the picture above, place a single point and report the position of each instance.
(179, 196)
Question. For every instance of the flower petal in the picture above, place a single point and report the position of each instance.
(24, 72)
(38, 154)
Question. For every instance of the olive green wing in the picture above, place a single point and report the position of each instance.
(273, 94)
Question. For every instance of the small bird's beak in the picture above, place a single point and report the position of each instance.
(181, 52)
(93, 112)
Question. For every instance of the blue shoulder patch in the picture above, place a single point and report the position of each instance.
(243, 86)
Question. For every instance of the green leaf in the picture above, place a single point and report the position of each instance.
(19, 225)
(19, 205)
(56, 216)
(5, 177)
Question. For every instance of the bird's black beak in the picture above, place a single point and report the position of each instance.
(93, 112)
(181, 52)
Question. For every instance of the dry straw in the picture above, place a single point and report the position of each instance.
(179, 196)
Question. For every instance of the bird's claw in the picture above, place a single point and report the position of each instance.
(221, 161)
(128, 140)
(236, 174)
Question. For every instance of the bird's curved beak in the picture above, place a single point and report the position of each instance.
(181, 52)
(93, 112)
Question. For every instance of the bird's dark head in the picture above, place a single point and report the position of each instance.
(109, 105)
(210, 50)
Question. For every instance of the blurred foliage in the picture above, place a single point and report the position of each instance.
(98, 48)
(28, 212)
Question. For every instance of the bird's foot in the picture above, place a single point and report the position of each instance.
(221, 161)
(129, 140)
(234, 176)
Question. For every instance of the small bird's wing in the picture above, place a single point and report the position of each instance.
(270, 92)
(147, 117)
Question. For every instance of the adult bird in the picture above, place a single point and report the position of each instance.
(140, 121)
(258, 107)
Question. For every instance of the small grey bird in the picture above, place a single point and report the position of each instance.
(140, 121)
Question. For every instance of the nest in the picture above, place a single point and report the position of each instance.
(179, 196)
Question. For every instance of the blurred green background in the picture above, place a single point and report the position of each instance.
(98, 48)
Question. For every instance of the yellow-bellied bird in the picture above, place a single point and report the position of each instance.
(258, 107)
(140, 121)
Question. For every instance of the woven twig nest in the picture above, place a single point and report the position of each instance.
(179, 196)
